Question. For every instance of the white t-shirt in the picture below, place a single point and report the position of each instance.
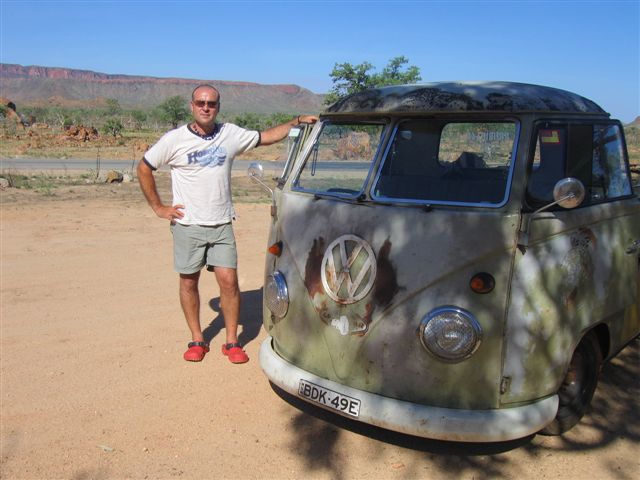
(201, 169)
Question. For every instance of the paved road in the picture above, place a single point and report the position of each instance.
(54, 164)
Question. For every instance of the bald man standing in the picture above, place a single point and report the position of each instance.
(200, 155)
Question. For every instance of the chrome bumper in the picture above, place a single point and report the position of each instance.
(415, 419)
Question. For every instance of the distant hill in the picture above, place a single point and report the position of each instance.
(34, 85)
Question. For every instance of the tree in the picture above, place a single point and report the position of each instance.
(392, 74)
(277, 119)
(348, 79)
(173, 110)
(38, 114)
(113, 126)
(113, 107)
(249, 120)
(138, 117)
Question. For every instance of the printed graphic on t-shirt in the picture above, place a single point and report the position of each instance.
(209, 157)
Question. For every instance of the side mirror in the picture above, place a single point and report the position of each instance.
(295, 132)
(255, 171)
(568, 193)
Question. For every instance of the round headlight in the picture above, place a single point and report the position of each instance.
(276, 295)
(450, 333)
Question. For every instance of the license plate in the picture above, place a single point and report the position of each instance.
(329, 398)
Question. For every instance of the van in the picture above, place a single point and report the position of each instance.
(453, 260)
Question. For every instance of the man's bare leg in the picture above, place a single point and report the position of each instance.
(190, 302)
(229, 300)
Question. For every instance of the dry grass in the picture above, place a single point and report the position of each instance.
(34, 188)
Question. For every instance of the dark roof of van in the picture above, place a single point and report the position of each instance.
(453, 97)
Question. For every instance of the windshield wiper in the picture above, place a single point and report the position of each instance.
(314, 159)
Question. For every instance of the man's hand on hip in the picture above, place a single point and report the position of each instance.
(170, 212)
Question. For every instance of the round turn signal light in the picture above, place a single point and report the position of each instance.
(275, 249)
(482, 282)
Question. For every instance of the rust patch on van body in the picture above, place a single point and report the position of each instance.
(386, 285)
(366, 320)
(578, 267)
(350, 319)
(312, 277)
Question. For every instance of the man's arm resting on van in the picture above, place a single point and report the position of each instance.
(277, 133)
(148, 187)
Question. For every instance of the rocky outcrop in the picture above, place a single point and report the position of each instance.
(10, 112)
(35, 85)
(114, 177)
(7, 103)
(57, 73)
(80, 132)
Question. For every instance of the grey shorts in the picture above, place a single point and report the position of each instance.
(195, 246)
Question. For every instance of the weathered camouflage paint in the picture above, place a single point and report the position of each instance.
(422, 263)
(466, 97)
(573, 276)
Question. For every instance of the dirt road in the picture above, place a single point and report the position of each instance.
(93, 385)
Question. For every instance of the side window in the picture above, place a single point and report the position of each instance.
(609, 172)
(549, 165)
(592, 153)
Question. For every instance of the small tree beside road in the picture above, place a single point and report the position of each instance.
(113, 107)
(113, 126)
(173, 110)
(138, 117)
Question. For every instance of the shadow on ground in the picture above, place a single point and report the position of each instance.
(250, 317)
(614, 415)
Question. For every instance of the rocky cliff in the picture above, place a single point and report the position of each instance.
(34, 85)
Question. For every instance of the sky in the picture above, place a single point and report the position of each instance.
(588, 47)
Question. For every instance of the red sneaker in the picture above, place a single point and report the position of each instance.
(235, 353)
(196, 351)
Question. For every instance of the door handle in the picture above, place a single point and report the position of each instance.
(633, 248)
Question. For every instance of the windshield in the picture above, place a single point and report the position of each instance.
(460, 163)
(340, 158)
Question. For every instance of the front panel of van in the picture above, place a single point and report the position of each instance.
(368, 253)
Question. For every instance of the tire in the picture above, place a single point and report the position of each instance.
(578, 386)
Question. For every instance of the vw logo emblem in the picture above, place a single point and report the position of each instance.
(348, 269)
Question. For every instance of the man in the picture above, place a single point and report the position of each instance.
(200, 155)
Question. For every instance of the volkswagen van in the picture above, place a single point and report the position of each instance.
(453, 260)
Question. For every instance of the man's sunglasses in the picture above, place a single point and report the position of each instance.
(208, 103)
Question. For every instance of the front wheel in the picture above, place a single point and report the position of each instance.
(578, 386)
